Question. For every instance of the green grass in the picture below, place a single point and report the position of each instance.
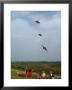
(37, 67)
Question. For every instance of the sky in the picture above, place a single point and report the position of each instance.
(26, 44)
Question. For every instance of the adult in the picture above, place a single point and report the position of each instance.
(30, 73)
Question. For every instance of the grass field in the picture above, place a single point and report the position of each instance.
(36, 67)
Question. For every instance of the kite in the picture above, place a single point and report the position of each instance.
(44, 47)
(37, 21)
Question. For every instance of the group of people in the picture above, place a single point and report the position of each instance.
(29, 74)
(44, 76)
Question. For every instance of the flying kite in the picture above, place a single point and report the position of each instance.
(40, 34)
(37, 21)
(44, 47)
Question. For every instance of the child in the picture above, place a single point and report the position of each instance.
(43, 75)
(51, 75)
(39, 76)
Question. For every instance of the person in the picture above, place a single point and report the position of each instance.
(30, 73)
(39, 76)
(26, 71)
(51, 75)
(43, 75)
(21, 74)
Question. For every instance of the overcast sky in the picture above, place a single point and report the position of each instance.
(25, 41)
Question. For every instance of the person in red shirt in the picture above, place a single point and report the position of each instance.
(30, 73)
